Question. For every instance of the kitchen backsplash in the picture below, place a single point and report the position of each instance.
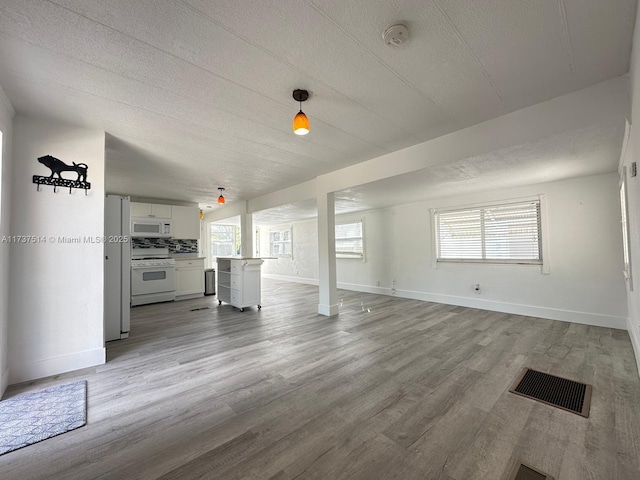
(175, 246)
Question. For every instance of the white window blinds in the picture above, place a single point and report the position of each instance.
(508, 233)
(349, 240)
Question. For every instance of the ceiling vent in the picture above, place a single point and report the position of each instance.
(395, 35)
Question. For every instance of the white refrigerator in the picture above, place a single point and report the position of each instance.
(117, 267)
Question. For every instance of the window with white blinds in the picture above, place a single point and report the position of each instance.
(280, 242)
(349, 240)
(506, 233)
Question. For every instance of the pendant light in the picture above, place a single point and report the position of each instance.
(221, 197)
(300, 122)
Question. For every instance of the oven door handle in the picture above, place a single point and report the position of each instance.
(154, 267)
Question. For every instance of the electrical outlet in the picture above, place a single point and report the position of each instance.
(476, 288)
(393, 282)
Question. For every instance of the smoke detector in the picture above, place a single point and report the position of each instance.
(395, 35)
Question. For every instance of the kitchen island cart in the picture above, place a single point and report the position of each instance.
(239, 281)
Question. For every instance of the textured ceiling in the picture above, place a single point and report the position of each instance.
(592, 150)
(196, 94)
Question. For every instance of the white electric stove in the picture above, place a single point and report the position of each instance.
(153, 276)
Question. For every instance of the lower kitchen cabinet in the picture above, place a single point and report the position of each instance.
(239, 281)
(189, 278)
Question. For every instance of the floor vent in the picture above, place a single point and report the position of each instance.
(523, 471)
(558, 392)
(200, 308)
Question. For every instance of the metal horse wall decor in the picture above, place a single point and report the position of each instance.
(57, 166)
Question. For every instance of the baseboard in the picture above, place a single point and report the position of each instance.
(365, 288)
(345, 286)
(634, 335)
(328, 310)
(288, 278)
(586, 318)
(56, 365)
(189, 296)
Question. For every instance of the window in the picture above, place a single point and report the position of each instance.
(256, 242)
(224, 241)
(505, 233)
(280, 243)
(1, 149)
(349, 240)
(625, 228)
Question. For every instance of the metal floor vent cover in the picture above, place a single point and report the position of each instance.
(558, 392)
(522, 471)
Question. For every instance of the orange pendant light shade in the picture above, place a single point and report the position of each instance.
(300, 124)
(221, 197)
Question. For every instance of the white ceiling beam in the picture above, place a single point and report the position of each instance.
(603, 104)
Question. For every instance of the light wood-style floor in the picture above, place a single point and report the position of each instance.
(389, 389)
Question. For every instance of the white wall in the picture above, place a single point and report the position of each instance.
(633, 193)
(353, 274)
(633, 209)
(56, 290)
(6, 126)
(584, 285)
(303, 264)
(372, 272)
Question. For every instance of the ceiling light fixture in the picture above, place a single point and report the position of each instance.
(221, 197)
(300, 122)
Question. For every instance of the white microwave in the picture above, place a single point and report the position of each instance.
(151, 227)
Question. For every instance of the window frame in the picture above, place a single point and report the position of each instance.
(288, 229)
(360, 256)
(257, 241)
(543, 263)
(626, 239)
(233, 242)
(1, 169)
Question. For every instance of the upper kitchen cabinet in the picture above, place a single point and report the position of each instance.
(185, 222)
(150, 210)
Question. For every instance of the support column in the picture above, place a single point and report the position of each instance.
(328, 292)
(246, 235)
